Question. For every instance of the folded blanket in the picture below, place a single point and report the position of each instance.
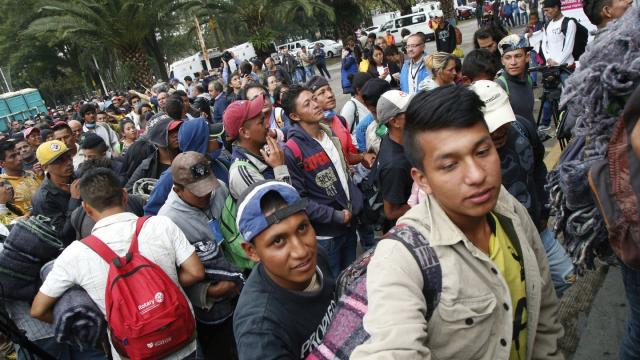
(35, 237)
(19, 278)
(217, 268)
(77, 319)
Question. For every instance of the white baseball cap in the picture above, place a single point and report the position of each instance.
(497, 109)
(390, 104)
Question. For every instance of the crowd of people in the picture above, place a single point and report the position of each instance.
(242, 215)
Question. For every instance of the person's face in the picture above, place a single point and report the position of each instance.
(255, 130)
(66, 136)
(415, 48)
(200, 202)
(381, 42)
(235, 82)
(288, 251)
(272, 83)
(439, 20)
(307, 109)
(617, 8)
(254, 92)
(448, 74)
(76, 129)
(499, 136)
(117, 102)
(533, 19)
(12, 160)
(34, 139)
(378, 57)
(162, 99)
(90, 117)
(62, 166)
(462, 174)
(488, 44)
(325, 98)
(213, 92)
(15, 126)
(94, 153)
(172, 139)
(269, 63)
(135, 101)
(515, 62)
(130, 131)
(24, 150)
(551, 12)
(102, 118)
(285, 51)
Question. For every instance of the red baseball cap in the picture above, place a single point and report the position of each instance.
(238, 112)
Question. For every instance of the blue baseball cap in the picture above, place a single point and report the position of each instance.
(250, 219)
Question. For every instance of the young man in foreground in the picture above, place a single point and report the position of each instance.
(497, 300)
(287, 302)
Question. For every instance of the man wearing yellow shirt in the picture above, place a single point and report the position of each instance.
(24, 183)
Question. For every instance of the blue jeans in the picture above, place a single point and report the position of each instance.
(546, 107)
(560, 264)
(630, 346)
(341, 251)
(533, 62)
(308, 69)
(367, 236)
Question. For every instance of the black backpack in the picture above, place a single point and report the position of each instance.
(372, 203)
(582, 36)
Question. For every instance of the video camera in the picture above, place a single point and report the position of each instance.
(550, 75)
(226, 56)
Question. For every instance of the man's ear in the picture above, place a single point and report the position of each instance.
(250, 250)
(421, 179)
(294, 117)
(89, 210)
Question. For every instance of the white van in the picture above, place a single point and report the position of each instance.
(294, 46)
(418, 22)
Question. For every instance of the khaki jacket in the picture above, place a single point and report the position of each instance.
(474, 318)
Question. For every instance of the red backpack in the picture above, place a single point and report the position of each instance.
(148, 316)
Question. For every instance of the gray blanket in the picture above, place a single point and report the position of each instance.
(77, 319)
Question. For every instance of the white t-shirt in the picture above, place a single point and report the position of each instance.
(348, 112)
(160, 241)
(554, 44)
(333, 154)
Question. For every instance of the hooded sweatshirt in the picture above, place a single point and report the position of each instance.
(193, 135)
(316, 178)
(200, 227)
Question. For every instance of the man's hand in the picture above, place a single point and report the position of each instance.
(551, 62)
(37, 169)
(222, 289)
(74, 189)
(347, 216)
(6, 193)
(368, 159)
(273, 155)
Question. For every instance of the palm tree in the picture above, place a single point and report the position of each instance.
(121, 25)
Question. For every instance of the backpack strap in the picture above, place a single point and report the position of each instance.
(100, 248)
(504, 81)
(426, 258)
(295, 149)
(356, 116)
(133, 248)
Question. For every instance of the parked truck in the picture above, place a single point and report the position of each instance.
(20, 105)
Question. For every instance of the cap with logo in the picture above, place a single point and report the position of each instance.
(316, 82)
(250, 219)
(159, 133)
(193, 171)
(238, 112)
(49, 151)
(497, 109)
(513, 42)
(392, 103)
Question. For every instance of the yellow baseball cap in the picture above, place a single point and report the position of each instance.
(50, 150)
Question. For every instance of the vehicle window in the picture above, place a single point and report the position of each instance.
(419, 19)
(298, 45)
(387, 26)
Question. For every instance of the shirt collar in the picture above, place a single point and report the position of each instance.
(113, 219)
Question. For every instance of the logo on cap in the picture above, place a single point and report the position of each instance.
(54, 147)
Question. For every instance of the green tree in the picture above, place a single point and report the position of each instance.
(124, 26)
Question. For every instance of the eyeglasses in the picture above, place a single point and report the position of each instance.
(412, 46)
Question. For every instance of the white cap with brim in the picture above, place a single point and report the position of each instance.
(390, 104)
(497, 109)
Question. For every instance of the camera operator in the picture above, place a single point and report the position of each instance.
(557, 48)
(229, 65)
(515, 79)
